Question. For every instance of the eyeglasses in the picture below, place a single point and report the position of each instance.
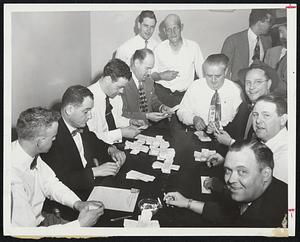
(256, 83)
(175, 29)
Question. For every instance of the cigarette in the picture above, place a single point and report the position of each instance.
(159, 201)
(96, 162)
(120, 218)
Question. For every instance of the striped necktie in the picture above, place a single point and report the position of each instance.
(108, 115)
(143, 99)
(256, 54)
(215, 108)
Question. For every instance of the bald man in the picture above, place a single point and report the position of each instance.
(176, 60)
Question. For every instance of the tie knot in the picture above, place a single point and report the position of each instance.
(78, 130)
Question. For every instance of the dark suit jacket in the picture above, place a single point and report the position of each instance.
(236, 47)
(130, 99)
(266, 211)
(64, 159)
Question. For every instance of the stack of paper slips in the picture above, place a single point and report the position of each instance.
(203, 155)
(202, 136)
(144, 221)
(136, 175)
(165, 167)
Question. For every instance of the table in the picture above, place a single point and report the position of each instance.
(186, 180)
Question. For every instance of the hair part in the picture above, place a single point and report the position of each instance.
(117, 68)
(217, 59)
(141, 54)
(146, 14)
(262, 153)
(279, 101)
(33, 120)
(258, 15)
(75, 95)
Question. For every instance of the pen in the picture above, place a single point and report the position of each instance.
(120, 218)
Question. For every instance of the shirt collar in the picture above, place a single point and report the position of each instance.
(22, 159)
(251, 35)
(136, 81)
(280, 136)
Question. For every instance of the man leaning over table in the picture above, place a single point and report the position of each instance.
(212, 98)
(144, 39)
(256, 197)
(107, 121)
(32, 180)
(139, 98)
(77, 156)
(176, 60)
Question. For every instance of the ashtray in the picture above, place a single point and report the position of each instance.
(149, 203)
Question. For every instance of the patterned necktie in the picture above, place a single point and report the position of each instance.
(143, 100)
(146, 44)
(34, 162)
(256, 54)
(74, 132)
(108, 115)
(215, 104)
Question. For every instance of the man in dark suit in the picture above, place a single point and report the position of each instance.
(139, 98)
(77, 155)
(257, 199)
(243, 47)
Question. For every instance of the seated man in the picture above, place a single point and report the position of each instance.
(269, 124)
(210, 99)
(257, 198)
(144, 39)
(139, 98)
(107, 121)
(77, 155)
(32, 180)
(176, 61)
(258, 80)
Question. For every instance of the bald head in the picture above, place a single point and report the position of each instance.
(172, 18)
(173, 28)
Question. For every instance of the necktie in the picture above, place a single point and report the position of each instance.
(108, 115)
(34, 162)
(256, 54)
(215, 108)
(249, 123)
(78, 130)
(143, 98)
(146, 44)
(243, 208)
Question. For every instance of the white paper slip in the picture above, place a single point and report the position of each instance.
(135, 175)
(175, 108)
(143, 127)
(202, 136)
(129, 223)
(115, 198)
(203, 189)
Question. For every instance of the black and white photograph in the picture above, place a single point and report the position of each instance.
(149, 120)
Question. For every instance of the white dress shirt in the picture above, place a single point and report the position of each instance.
(31, 187)
(78, 141)
(252, 39)
(186, 61)
(98, 124)
(279, 146)
(127, 49)
(196, 101)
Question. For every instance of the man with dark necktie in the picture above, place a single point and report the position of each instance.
(108, 121)
(77, 155)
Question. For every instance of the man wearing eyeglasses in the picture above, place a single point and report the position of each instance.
(176, 60)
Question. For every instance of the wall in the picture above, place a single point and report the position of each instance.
(50, 51)
(109, 29)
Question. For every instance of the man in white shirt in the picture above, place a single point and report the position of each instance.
(199, 107)
(108, 89)
(269, 124)
(176, 60)
(251, 44)
(32, 180)
(146, 25)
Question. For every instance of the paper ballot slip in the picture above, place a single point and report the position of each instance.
(115, 198)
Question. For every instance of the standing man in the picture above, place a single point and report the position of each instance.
(139, 98)
(276, 57)
(251, 44)
(146, 25)
(210, 99)
(269, 124)
(107, 121)
(32, 180)
(257, 198)
(77, 155)
(176, 60)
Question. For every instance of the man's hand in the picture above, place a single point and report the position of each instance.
(223, 137)
(214, 184)
(118, 156)
(168, 75)
(210, 128)
(165, 109)
(130, 132)
(88, 217)
(79, 205)
(106, 169)
(137, 122)
(199, 123)
(215, 160)
(155, 116)
(176, 199)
